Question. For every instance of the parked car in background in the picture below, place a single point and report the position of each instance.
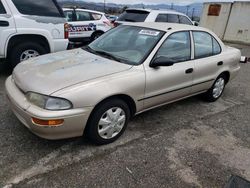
(112, 18)
(86, 25)
(150, 15)
(30, 28)
(128, 70)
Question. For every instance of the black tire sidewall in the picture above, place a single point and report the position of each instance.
(96, 34)
(209, 94)
(14, 55)
(92, 126)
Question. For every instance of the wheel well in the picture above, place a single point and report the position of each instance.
(98, 31)
(22, 38)
(127, 99)
(227, 75)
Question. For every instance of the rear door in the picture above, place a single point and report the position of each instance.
(208, 61)
(7, 26)
(83, 26)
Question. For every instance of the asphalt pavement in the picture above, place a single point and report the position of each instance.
(190, 143)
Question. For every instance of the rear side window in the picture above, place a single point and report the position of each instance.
(185, 20)
(2, 10)
(173, 18)
(83, 16)
(39, 8)
(133, 16)
(162, 18)
(176, 48)
(205, 45)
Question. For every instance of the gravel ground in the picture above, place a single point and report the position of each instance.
(190, 143)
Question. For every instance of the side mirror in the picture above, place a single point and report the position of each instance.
(162, 61)
(195, 23)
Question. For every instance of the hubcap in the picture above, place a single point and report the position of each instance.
(28, 54)
(111, 123)
(218, 88)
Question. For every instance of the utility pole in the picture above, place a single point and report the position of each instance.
(172, 6)
(187, 10)
(193, 13)
(104, 6)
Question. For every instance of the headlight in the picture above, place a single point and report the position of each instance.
(48, 103)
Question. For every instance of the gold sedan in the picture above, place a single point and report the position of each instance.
(130, 69)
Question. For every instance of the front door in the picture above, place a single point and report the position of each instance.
(7, 26)
(168, 83)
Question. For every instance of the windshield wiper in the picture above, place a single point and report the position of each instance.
(103, 53)
(108, 55)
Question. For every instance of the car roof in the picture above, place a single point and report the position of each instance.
(167, 26)
(157, 11)
(81, 9)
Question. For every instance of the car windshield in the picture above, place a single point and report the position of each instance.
(126, 44)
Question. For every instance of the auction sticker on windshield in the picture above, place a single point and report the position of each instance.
(149, 32)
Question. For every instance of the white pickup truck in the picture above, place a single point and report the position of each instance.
(29, 28)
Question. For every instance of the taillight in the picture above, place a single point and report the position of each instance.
(66, 30)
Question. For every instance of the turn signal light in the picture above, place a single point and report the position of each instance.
(48, 123)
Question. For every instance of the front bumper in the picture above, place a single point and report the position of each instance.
(75, 120)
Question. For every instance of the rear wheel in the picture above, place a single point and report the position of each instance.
(96, 35)
(108, 121)
(25, 51)
(215, 92)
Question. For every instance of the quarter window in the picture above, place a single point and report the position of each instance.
(39, 8)
(96, 16)
(177, 48)
(205, 45)
(2, 10)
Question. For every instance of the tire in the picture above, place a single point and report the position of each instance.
(19, 50)
(96, 35)
(211, 95)
(101, 133)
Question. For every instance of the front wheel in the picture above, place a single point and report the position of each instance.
(25, 51)
(108, 121)
(215, 92)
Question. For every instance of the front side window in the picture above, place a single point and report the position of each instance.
(39, 8)
(162, 18)
(133, 16)
(68, 16)
(2, 10)
(205, 45)
(176, 48)
(83, 16)
(185, 20)
(127, 44)
(173, 18)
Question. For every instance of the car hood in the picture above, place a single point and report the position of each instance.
(50, 73)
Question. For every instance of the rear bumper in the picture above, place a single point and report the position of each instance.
(74, 123)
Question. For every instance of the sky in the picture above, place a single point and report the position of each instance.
(179, 2)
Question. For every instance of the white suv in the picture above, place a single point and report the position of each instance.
(29, 28)
(149, 15)
(86, 24)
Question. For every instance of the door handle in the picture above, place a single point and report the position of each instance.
(220, 63)
(189, 71)
(4, 23)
